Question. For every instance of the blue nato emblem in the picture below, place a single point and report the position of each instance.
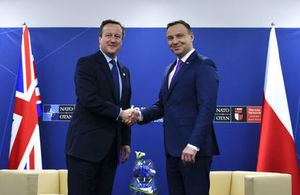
(50, 112)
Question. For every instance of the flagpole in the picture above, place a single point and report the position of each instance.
(25, 149)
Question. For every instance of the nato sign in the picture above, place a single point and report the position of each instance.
(55, 112)
(238, 114)
(223, 114)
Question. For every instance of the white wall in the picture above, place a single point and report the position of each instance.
(150, 13)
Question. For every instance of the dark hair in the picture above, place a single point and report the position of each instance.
(187, 26)
(109, 21)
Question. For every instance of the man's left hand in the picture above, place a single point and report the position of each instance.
(188, 155)
(125, 151)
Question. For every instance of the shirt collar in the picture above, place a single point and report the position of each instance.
(184, 58)
(108, 59)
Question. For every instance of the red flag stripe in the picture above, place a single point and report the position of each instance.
(31, 157)
(27, 58)
(277, 152)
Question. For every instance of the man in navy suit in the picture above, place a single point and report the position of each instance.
(187, 101)
(96, 134)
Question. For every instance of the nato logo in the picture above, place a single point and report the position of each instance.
(50, 112)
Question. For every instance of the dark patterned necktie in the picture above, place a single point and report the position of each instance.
(115, 75)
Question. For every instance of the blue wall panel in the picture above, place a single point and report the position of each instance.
(240, 55)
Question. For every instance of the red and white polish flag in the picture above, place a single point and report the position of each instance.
(277, 152)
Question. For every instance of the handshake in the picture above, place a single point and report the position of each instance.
(130, 116)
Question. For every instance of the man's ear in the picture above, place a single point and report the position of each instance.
(192, 36)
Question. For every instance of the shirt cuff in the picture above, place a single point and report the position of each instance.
(119, 114)
(140, 116)
(194, 147)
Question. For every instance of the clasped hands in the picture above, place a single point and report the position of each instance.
(130, 116)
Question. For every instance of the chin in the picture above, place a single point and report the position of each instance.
(178, 53)
(112, 53)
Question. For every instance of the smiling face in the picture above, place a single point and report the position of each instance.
(110, 40)
(180, 40)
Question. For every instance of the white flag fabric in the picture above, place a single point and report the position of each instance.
(277, 152)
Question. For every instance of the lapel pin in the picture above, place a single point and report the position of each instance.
(187, 62)
(124, 74)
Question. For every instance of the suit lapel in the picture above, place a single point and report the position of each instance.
(184, 67)
(107, 72)
(165, 83)
(124, 78)
(181, 72)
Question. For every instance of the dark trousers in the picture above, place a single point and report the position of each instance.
(188, 179)
(89, 178)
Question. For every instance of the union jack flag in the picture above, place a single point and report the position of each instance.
(25, 148)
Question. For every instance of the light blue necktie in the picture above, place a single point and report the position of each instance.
(115, 75)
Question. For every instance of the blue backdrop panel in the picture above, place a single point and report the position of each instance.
(239, 53)
(10, 44)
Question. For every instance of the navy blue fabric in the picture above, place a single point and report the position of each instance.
(115, 75)
(95, 136)
(188, 179)
(188, 107)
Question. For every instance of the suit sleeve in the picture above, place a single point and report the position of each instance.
(87, 91)
(154, 112)
(207, 83)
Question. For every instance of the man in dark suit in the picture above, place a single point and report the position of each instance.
(96, 134)
(187, 101)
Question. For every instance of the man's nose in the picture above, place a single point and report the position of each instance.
(113, 39)
(175, 41)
